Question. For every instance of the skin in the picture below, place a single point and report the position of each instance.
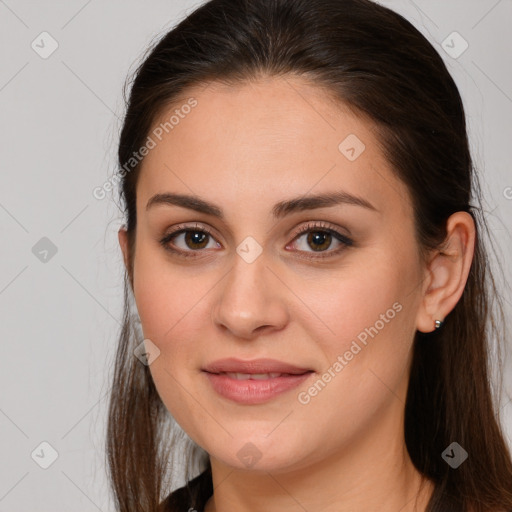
(246, 147)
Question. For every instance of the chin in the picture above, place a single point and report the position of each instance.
(259, 453)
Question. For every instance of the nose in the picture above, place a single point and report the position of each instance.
(251, 300)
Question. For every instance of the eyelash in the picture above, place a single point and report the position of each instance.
(310, 227)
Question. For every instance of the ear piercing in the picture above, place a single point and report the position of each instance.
(439, 323)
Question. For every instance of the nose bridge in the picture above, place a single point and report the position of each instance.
(250, 297)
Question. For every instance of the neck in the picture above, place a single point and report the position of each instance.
(365, 491)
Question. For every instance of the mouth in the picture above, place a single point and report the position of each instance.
(254, 367)
(255, 381)
(254, 376)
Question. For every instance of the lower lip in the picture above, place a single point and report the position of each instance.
(254, 391)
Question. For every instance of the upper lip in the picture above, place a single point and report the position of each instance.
(233, 365)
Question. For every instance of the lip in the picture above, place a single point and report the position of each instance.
(253, 366)
(258, 390)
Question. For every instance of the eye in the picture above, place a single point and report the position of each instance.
(193, 239)
(321, 237)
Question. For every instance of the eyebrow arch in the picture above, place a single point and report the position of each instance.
(279, 210)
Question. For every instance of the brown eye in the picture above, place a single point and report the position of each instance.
(185, 241)
(318, 239)
(195, 239)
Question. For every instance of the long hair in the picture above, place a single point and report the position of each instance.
(374, 60)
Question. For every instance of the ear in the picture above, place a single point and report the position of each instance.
(122, 235)
(447, 272)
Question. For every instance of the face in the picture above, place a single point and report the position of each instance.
(328, 290)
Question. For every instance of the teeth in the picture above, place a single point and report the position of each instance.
(253, 376)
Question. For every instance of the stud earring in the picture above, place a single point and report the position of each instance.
(438, 323)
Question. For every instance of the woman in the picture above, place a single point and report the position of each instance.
(303, 242)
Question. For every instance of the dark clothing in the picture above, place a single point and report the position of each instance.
(192, 496)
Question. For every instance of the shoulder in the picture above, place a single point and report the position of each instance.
(192, 495)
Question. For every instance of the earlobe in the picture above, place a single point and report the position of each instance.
(448, 271)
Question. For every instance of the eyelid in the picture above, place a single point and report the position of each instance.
(321, 226)
(179, 228)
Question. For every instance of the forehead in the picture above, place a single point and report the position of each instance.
(264, 139)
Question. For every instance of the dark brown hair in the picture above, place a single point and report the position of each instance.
(375, 61)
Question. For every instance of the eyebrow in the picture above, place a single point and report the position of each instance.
(279, 210)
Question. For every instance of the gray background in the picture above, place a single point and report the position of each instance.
(60, 118)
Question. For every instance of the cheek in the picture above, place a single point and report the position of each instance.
(366, 329)
(348, 303)
(164, 295)
(367, 358)
(171, 312)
